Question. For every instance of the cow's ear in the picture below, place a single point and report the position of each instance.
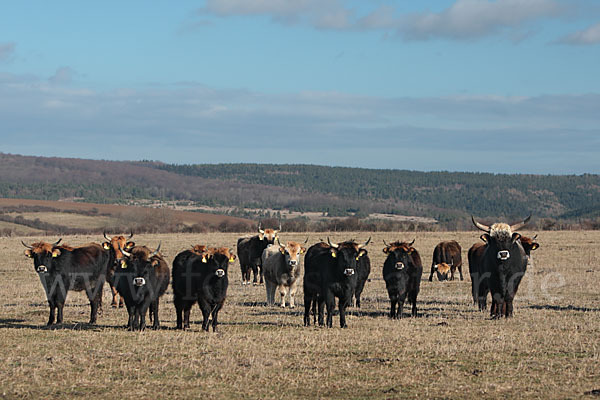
(106, 245)
(29, 253)
(516, 236)
(410, 250)
(535, 246)
(360, 254)
(231, 257)
(123, 264)
(485, 238)
(261, 236)
(129, 245)
(204, 258)
(333, 253)
(302, 250)
(154, 262)
(55, 253)
(282, 250)
(386, 250)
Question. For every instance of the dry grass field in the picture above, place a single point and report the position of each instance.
(550, 349)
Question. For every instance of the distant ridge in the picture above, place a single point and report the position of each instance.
(446, 196)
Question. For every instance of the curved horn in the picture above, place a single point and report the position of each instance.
(57, 242)
(360, 246)
(484, 228)
(260, 230)
(335, 246)
(411, 243)
(26, 245)
(386, 245)
(106, 237)
(518, 226)
(306, 241)
(155, 251)
(130, 235)
(535, 237)
(125, 253)
(279, 243)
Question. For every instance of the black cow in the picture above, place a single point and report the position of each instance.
(330, 272)
(114, 244)
(200, 277)
(503, 265)
(250, 251)
(142, 277)
(363, 269)
(446, 254)
(475, 267)
(63, 268)
(402, 272)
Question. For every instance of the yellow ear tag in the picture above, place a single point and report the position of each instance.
(29, 255)
(231, 259)
(105, 246)
(334, 255)
(123, 264)
(54, 255)
(204, 259)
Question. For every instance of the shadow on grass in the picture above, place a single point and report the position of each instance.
(563, 308)
(13, 323)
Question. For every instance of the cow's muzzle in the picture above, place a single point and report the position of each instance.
(139, 281)
(292, 263)
(349, 271)
(399, 265)
(503, 255)
(220, 273)
(41, 269)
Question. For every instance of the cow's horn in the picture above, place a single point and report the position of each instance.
(26, 245)
(386, 245)
(360, 246)
(279, 243)
(518, 226)
(335, 246)
(125, 253)
(156, 251)
(306, 241)
(260, 230)
(411, 243)
(484, 228)
(106, 237)
(130, 235)
(57, 242)
(535, 237)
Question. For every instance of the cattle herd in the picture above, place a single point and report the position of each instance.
(139, 276)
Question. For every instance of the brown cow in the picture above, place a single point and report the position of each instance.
(115, 244)
(449, 254)
(282, 268)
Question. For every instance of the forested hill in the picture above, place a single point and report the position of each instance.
(565, 196)
(446, 196)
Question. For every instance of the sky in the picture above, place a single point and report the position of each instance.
(503, 86)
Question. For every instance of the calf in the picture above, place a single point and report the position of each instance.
(503, 265)
(250, 253)
(402, 272)
(114, 244)
(330, 272)
(141, 279)
(446, 254)
(201, 278)
(282, 268)
(64, 268)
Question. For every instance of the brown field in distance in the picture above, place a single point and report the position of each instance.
(550, 349)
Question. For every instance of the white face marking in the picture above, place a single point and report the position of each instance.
(139, 281)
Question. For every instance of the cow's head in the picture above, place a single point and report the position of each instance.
(529, 244)
(218, 261)
(140, 263)
(291, 253)
(346, 255)
(43, 254)
(399, 255)
(502, 239)
(115, 245)
(268, 234)
(442, 271)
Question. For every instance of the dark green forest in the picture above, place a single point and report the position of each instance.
(448, 197)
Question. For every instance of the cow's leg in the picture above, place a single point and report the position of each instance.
(154, 307)
(205, 314)
(215, 315)
(187, 308)
(95, 298)
(282, 292)
(52, 316)
(307, 305)
(330, 304)
(293, 290)
(401, 300)
(115, 296)
(509, 308)
(342, 306)
(178, 303)
(270, 290)
(460, 273)
(260, 272)
(254, 275)
(432, 271)
(412, 297)
(131, 313)
(321, 312)
(60, 299)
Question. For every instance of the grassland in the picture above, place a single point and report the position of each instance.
(550, 349)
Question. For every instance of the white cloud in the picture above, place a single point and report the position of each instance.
(6, 51)
(590, 35)
(63, 75)
(463, 20)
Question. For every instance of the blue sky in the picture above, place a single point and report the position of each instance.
(458, 85)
